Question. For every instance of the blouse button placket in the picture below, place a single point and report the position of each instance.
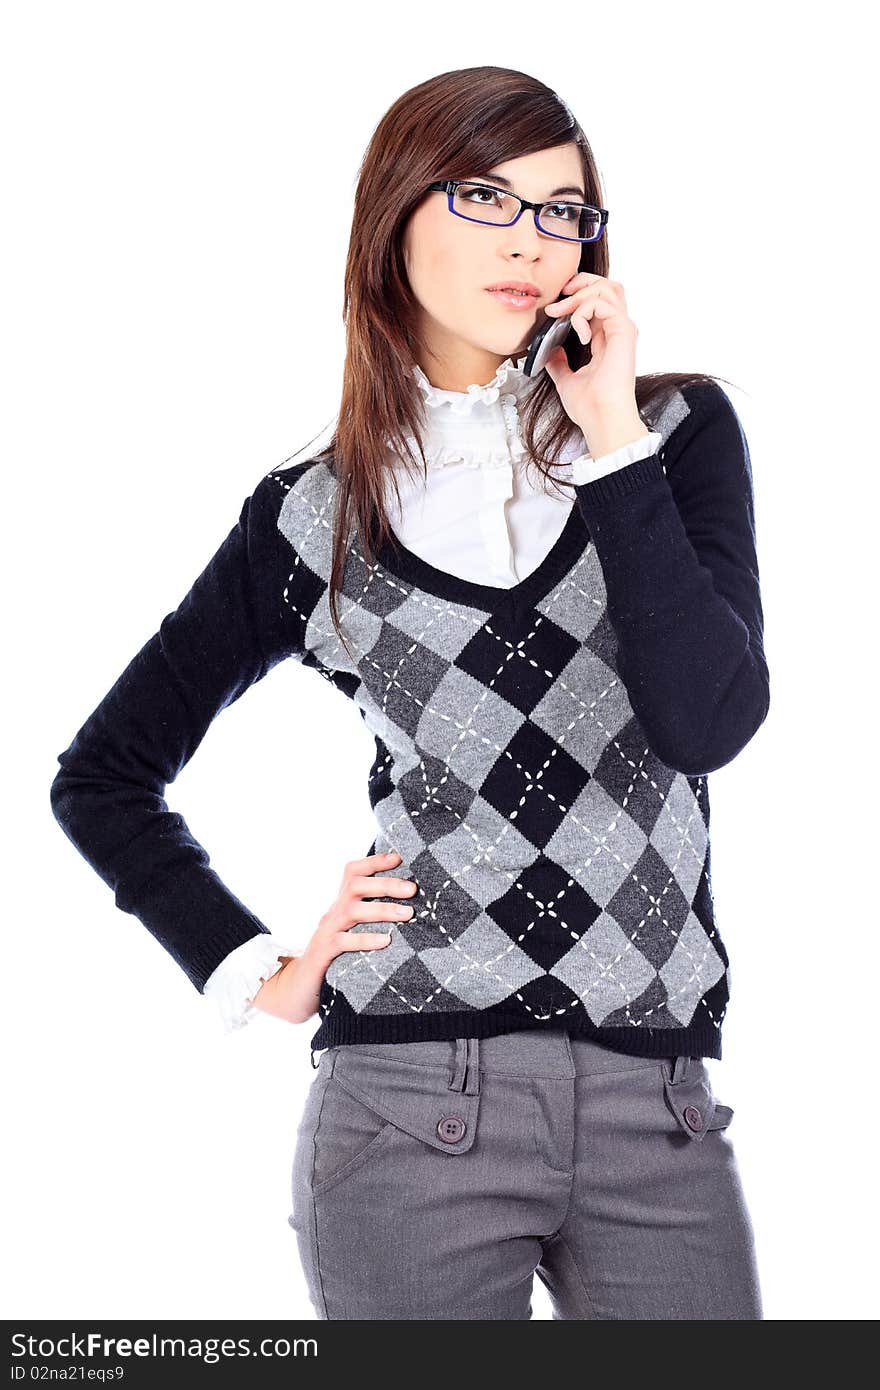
(497, 488)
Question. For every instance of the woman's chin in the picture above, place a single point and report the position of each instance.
(514, 349)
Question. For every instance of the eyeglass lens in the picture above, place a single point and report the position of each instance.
(576, 221)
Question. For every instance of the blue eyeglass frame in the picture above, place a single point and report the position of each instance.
(449, 186)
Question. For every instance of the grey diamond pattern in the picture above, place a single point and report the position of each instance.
(627, 844)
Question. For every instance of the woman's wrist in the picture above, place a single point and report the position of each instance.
(606, 435)
(269, 985)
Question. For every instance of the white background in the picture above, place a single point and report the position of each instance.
(171, 331)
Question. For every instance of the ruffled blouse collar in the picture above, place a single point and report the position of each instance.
(509, 378)
(478, 427)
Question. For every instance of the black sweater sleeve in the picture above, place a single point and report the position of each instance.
(236, 622)
(678, 555)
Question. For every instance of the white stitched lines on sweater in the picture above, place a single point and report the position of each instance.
(519, 650)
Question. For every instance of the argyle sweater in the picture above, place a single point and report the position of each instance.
(541, 752)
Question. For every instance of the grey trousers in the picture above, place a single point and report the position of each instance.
(433, 1180)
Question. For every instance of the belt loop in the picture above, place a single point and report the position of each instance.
(314, 1064)
(459, 1065)
(680, 1067)
(473, 1067)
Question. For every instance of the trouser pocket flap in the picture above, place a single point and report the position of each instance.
(689, 1096)
(416, 1099)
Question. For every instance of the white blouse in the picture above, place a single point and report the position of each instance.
(480, 514)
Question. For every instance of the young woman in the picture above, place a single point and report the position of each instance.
(542, 595)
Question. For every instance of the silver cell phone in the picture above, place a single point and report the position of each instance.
(547, 336)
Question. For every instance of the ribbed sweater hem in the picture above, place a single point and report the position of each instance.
(702, 1040)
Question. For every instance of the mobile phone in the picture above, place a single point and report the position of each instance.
(548, 336)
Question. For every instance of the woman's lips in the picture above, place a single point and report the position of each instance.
(516, 301)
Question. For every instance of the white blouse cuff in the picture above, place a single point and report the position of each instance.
(239, 975)
(585, 469)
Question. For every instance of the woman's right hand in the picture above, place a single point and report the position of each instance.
(293, 992)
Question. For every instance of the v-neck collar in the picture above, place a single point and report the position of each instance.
(403, 563)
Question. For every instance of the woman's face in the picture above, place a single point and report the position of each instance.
(466, 333)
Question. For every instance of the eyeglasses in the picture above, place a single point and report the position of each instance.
(502, 209)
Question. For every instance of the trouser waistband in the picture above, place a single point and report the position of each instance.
(527, 1052)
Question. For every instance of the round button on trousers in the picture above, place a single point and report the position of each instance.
(435, 1179)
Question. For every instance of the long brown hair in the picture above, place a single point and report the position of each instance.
(452, 125)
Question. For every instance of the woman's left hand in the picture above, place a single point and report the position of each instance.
(600, 396)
